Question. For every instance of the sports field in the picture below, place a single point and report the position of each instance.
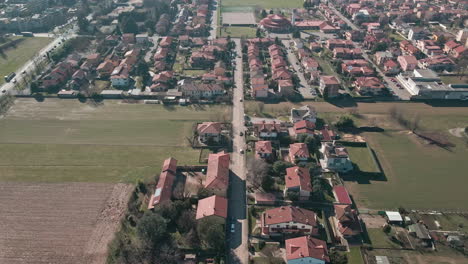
(13, 58)
(237, 32)
(417, 175)
(265, 4)
(64, 140)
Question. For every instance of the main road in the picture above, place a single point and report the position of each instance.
(28, 66)
(238, 240)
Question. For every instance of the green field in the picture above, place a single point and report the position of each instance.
(362, 159)
(354, 256)
(237, 32)
(454, 79)
(64, 140)
(13, 58)
(265, 4)
(379, 239)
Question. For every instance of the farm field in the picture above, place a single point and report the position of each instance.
(265, 4)
(414, 170)
(64, 223)
(64, 140)
(13, 58)
(237, 32)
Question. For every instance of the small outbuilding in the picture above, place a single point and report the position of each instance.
(394, 217)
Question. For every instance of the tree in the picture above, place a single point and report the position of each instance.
(279, 167)
(167, 210)
(186, 221)
(292, 195)
(258, 33)
(83, 23)
(152, 228)
(211, 233)
(338, 258)
(296, 34)
(312, 142)
(128, 25)
(258, 170)
(380, 46)
(263, 14)
(344, 123)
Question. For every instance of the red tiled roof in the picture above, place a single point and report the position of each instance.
(265, 197)
(303, 247)
(286, 214)
(263, 147)
(342, 195)
(217, 175)
(298, 150)
(304, 127)
(298, 176)
(209, 127)
(170, 164)
(329, 80)
(163, 191)
(213, 205)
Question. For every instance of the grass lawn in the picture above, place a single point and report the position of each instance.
(454, 79)
(361, 157)
(379, 239)
(397, 37)
(237, 32)
(13, 58)
(64, 140)
(195, 73)
(354, 256)
(265, 4)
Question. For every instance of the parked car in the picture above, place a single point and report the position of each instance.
(241, 151)
(241, 134)
(233, 228)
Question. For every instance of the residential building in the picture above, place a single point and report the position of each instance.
(341, 195)
(305, 112)
(267, 130)
(407, 62)
(347, 221)
(329, 86)
(335, 157)
(209, 132)
(263, 149)
(288, 220)
(369, 85)
(298, 180)
(417, 33)
(214, 207)
(303, 127)
(217, 175)
(298, 152)
(275, 23)
(163, 191)
(306, 249)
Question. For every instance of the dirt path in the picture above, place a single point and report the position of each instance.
(107, 224)
(458, 132)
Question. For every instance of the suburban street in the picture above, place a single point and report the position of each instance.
(238, 240)
(400, 93)
(214, 20)
(28, 66)
(304, 87)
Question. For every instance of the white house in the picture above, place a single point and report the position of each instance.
(335, 157)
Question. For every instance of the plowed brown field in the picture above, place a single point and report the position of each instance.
(59, 223)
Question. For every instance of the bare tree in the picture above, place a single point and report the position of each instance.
(258, 170)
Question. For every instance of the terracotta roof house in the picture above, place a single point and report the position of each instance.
(329, 86)
(209, 131)
(305, 112)
(391, 67)
(263, 149)
(266, 130)
(298, 179)
(335, 157)
(306, 249)
(275, 23)
(347, 221)
(285, 87)
(304, 127)
(310, 64)
(213, 206)
(288, 219)
(369, 85)
(128, 38)
(326, 134)
(341, 195)
(298, 152)
(163, 191)
(437, 63)
(217, 175)
(265, 198)
(407, 62)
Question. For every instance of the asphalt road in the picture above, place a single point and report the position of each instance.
(238, 240)
(214, 20)
(400, 93)
(29, 65)
(304, 88)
